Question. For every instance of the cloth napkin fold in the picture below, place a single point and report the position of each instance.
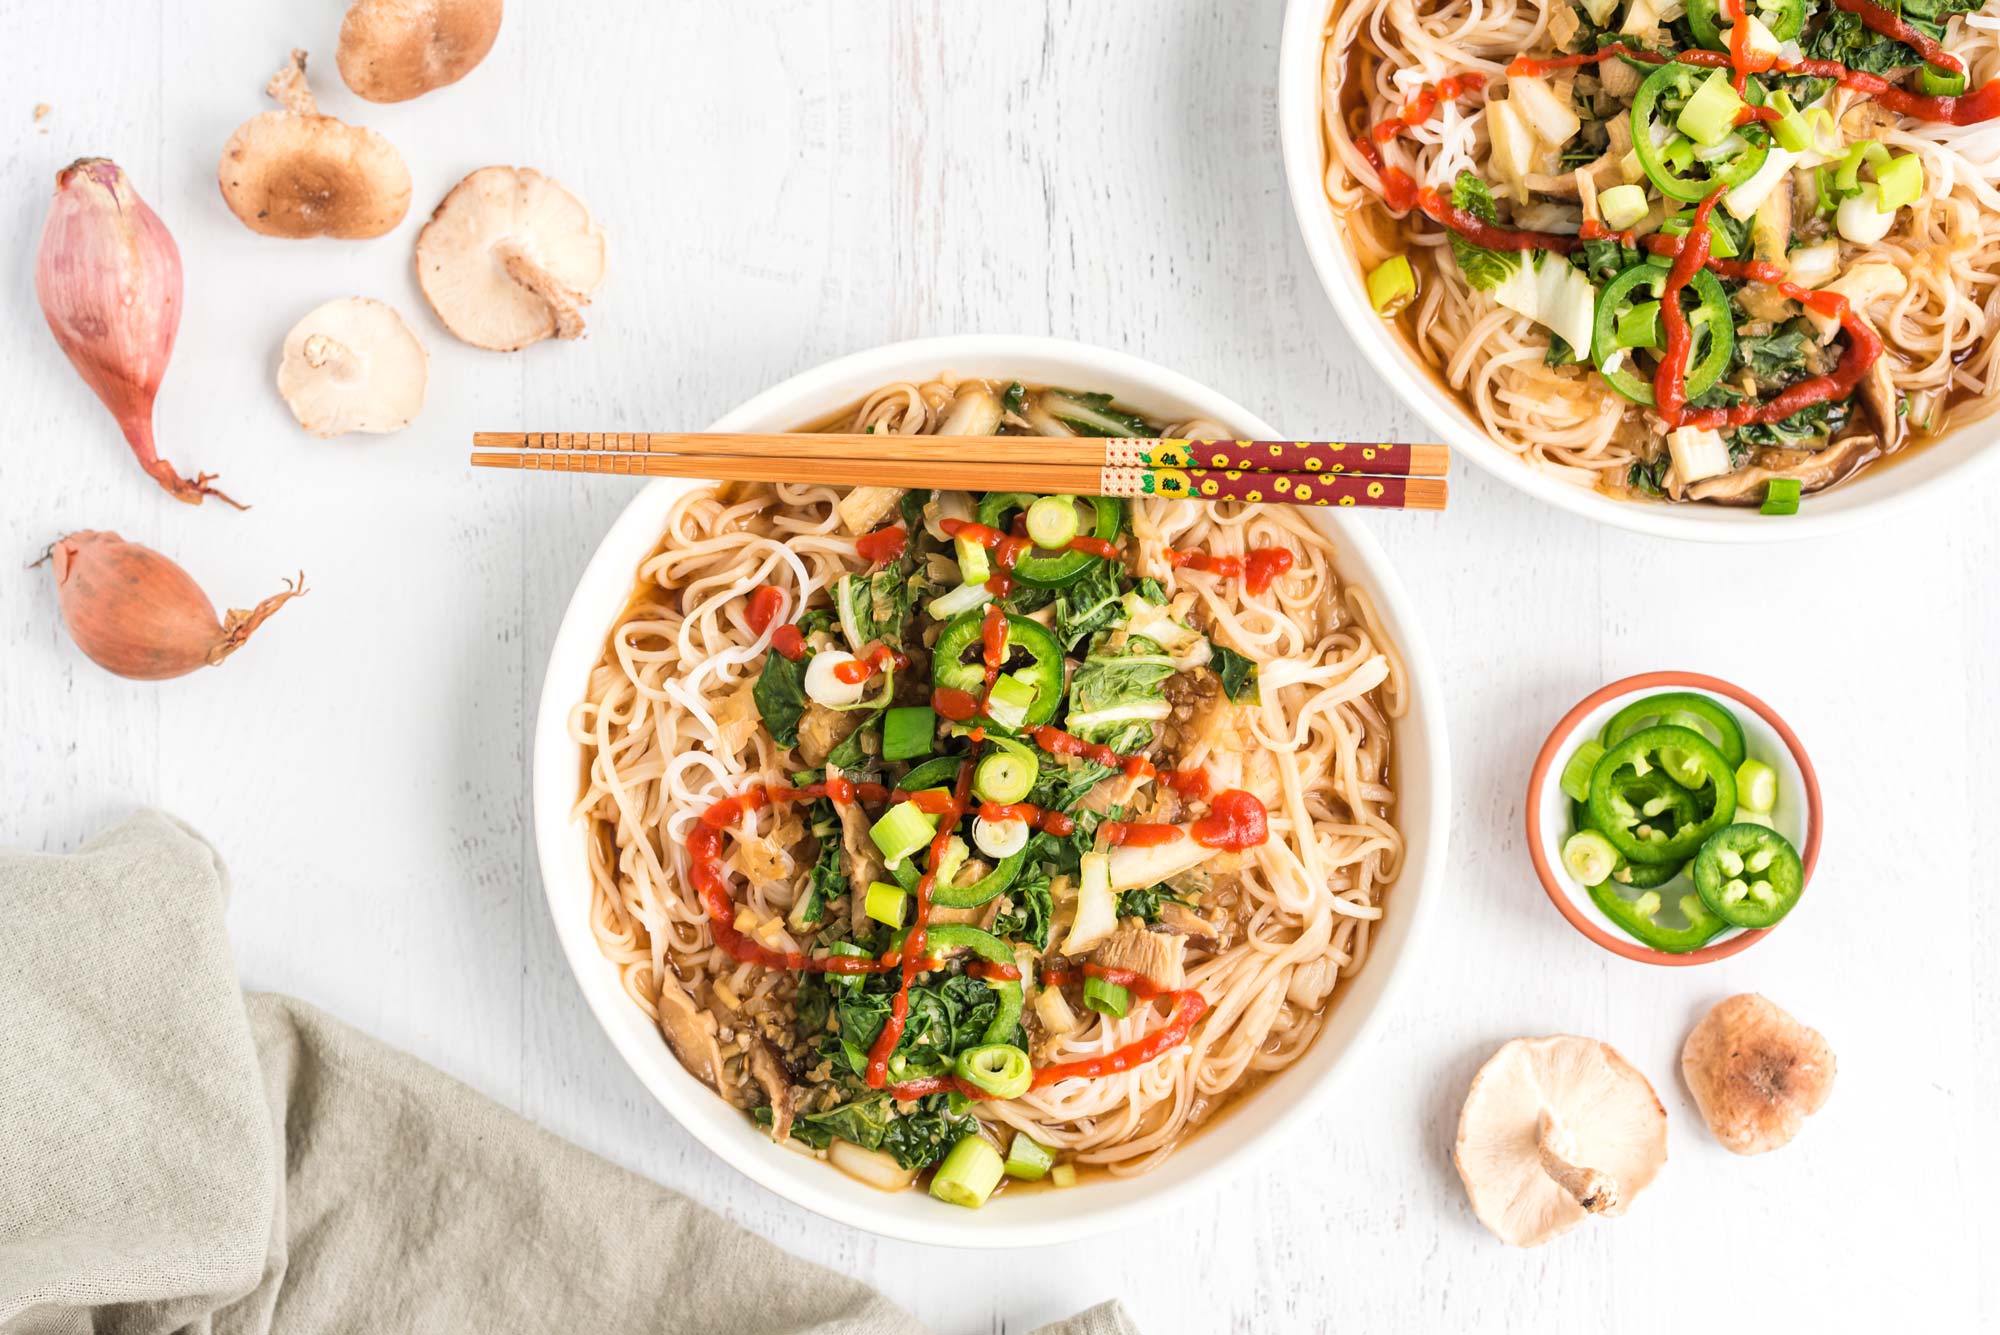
(177, 1157)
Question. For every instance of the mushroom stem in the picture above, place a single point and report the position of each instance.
(321, 351)
(1596, 1192)
(563, 301)
(288, 87)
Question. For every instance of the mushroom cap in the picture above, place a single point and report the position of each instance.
(508, 258)
(394, 50)
(295, 173)
(1756, 1073)
(353, 365)
(1596, 1112)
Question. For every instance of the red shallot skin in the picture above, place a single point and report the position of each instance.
(135, 613)
(109, 279)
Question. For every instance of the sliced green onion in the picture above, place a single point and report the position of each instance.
(1008, 702)
(1679, 153)
(999, 1069)
(1052, 522)
(968, 1174)
(1756, 787)
(887, 903)
(1639, 327)
(903, 829)
(1781, 496)
(1900, 181)
(1063, 1175)
(955, 855)
(1004, 777)
(1622, 206)
(1029, 1159)
(973, 567)
(1848, 175)
(1790, 129)
(1935, 82)
(1589, 857)
(1709, 116)
(1000, 839)
(908, 731)
(1576, 774)
(1106, 998)
(1391, 285)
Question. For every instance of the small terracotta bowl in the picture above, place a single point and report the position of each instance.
(1766, 737)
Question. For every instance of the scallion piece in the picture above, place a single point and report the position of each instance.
(1622, 206)
(1007, 703)
(1004, 777)
(908, 731)
(1576, 774)
(1709, 117)
(1106, 998)
(1935, 82)
(973, 567)
(1756, 787)
(1051, 522)
(1028, 1159)
(903, 829)
(1063, 1175)
(999, 1069)
(1639, 327)
(1790, 129)
(1900, 182)
(887, 903)
(1589, 857)
(969, 1173)
(1391, 285)
(1781, 496)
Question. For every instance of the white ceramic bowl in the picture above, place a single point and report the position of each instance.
(1870, 496)
(1766, 737)
(1027, 1218)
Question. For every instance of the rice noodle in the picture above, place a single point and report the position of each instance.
(659, 754)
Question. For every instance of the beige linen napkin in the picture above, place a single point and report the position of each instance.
(174, 1157)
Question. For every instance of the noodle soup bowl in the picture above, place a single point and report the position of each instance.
(1278, 1108)
(1879, 490)
(1766, 737)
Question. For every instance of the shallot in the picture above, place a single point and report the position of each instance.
(137, 614)
(109, 277)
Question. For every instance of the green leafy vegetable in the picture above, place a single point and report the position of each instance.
(1803, 429)
(1145, 904)
(1484, 269)
(1115, 698)
(1088, 605)
(1239, 674)
(780, 694)
(1774, 359)
(1028, 912)
(1015, 400)
(828, 881)
(1092, 414)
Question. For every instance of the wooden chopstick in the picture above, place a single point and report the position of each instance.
(1260, 456)
(998, 474)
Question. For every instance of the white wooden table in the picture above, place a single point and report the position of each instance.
(784, 182)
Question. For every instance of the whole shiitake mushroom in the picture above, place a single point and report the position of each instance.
(296, 173)
(394, 50)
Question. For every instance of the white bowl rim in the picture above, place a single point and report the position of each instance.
(1953, 459)
(823, 1189)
